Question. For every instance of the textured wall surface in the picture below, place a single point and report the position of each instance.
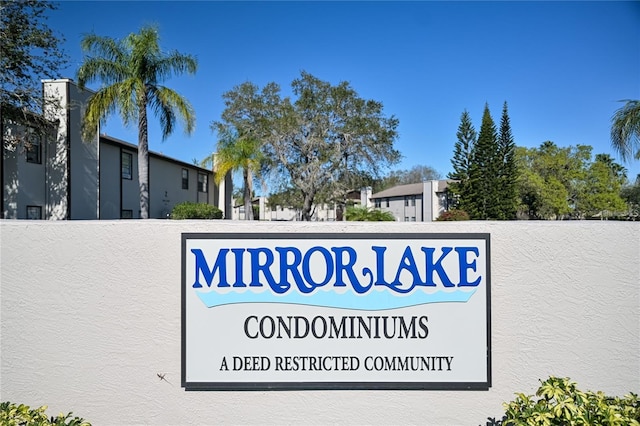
(90, 315)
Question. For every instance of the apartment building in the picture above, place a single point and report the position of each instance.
(57, 175)
(415, 202)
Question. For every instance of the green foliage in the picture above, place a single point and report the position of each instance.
(461, 161)
(453, 215)
(600, 191)
(558, 401)
(558, 183)
(131, 71)
(22, 415)
(365, 214)
(237, 152)
(484, 168)
(189, 210)
(631, 195)
(29, 52)
(321, 141)
(625, 130)
(506, 205)
(483, 171)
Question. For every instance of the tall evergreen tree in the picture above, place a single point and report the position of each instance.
(461, 161)
(507, 203)
(483, 182)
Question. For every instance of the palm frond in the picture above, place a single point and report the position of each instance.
(106, 63)
(169, 105)
(625, 130)
(175, 63)
(100, 105)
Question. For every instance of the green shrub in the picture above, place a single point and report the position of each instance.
(21, 415)
(453, 215)
(558, 401)
(363, 213)
(189, 210)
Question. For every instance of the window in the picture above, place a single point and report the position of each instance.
(406, 202)
(34, 212)
(413, 200)
(126, 214)
(185, 179)
(406, 218)
(34, 148)
(413, 218)
(377, 203)
(202, 182)
(386, 202)
(127, 165)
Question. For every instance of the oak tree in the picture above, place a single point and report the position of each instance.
(319, 140)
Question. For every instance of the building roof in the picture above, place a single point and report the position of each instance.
(119, 142)
(409, 189)
(444, 184)
(400, 191)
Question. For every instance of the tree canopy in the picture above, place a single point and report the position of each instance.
(320, 141)
(29, 52)
(558, 183)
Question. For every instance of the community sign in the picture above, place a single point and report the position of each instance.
(335, 311)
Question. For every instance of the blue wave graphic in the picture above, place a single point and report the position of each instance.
(372, 301)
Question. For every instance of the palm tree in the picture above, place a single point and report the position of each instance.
(131, 71)
(625, 130)
(237, 153)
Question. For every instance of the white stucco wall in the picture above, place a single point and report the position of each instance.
(90, 314)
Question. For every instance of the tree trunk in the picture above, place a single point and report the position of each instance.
(143, 157)
(306, 207)
(248, 205)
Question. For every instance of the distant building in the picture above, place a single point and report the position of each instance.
(415, 202)
(326, 212)
(59, 176)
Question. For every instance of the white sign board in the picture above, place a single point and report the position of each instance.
(335, 311)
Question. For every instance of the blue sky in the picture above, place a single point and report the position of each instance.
(561, 66)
